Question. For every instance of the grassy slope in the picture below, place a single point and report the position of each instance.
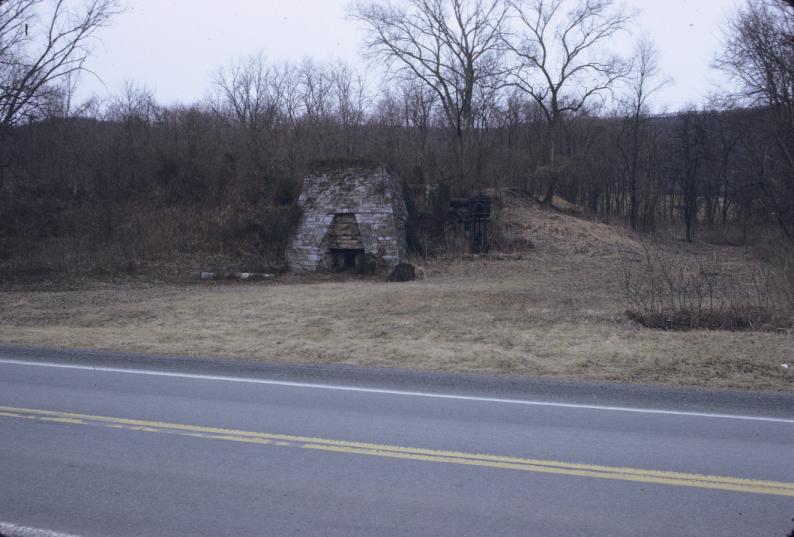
(552, 311)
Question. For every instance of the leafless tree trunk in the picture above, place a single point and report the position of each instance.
(39, 45)
(642, 85)
(452, 46)
(560, 61)
(759, 56)
(691, 154)
(250, 92)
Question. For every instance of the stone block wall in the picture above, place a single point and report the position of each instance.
(372, 195)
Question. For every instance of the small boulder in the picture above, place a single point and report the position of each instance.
(403, 272)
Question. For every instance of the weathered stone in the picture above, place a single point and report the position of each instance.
(349, 212)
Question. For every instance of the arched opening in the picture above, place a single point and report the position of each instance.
(345, 245)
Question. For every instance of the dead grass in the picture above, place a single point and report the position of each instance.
(552, 311)
(555, 231)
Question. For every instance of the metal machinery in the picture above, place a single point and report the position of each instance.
(473, 212)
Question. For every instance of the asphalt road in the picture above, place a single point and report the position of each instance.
(151, 447)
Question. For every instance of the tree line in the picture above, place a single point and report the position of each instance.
(481, 94)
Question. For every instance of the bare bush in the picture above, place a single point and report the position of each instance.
(670, 290)
(41, 45)
(780, 273)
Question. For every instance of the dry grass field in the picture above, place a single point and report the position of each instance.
(552, 311)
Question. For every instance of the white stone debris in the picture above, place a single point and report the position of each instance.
(11, 530)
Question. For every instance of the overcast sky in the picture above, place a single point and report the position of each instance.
(173, 46)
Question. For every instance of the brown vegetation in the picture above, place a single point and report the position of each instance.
(128, 190)
(672, 290)
(123, 185)
(555, 310)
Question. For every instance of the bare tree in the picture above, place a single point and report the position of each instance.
(452, 46)
(129, 149)
(350, 103)
(642, 84)
(692, 156)
(134, 104)
(758, 53)
(316, 91)
(251, 92)
(418, 107)
(39, 45)
(759, 57)
(559, 57)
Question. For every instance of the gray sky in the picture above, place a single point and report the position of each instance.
(173, 46)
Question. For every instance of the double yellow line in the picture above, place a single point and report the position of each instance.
(417, 454)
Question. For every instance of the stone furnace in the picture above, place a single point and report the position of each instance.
(352, 218)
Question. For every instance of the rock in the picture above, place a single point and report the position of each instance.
(242, 276)
(402, 272)
(252, 276)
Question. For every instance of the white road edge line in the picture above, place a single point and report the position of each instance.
(344, 388)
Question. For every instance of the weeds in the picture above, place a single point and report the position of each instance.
(671, 290)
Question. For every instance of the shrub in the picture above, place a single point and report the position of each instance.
(674, 291)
